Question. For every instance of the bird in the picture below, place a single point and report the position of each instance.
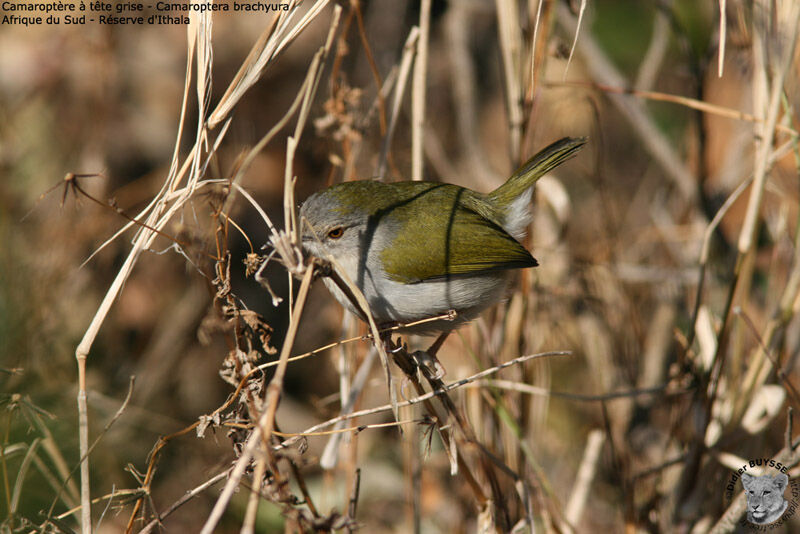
(419, 250)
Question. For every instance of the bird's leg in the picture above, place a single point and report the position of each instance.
(427, 361)
(433, 349)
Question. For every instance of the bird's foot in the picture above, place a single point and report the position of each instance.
(424, 360)
(427, 361)
(429, 365)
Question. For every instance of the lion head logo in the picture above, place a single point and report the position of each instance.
(765, 502)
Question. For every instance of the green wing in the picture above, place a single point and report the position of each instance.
(444, 236)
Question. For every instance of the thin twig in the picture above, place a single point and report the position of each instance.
(352, 505)
(421, 398)
(546, 392)
(189, 495)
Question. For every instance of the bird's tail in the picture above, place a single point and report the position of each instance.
(536, 167)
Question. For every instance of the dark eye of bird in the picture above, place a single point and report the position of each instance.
(336, 233)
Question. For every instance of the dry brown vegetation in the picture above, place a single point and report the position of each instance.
(651, 354)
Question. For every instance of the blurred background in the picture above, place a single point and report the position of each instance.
(673, 285)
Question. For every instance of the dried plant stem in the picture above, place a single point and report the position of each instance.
(380, 101)
(538, 46)
(248, 524)
(340, 431)
(409, 49)
(352, 506)
(83, 443)
(774, 326)
(743, 272)
(511, 50)
(759, 368)
(274, 39)
(68, 478)
(115, 494)
(301, 483)
(583, 480)
(723, 33)
(262, 433)
(418, 92)
(529, 389)
(81, 354)
(348, 287)
(369, 336)
(163, 197)
(412, 473)
(581, 12)
(709, 232)
(267, 423)
(251, 155)
(349, 397)
(761, 364)
(12, 497)
(747, 234)
(310, 89)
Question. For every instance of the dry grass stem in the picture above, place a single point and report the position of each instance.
(409, 50)
(583, 481)
(274, 39)
(418, 92)
(581, 12)
(764, 146)
(511, 49)
(723, 35)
